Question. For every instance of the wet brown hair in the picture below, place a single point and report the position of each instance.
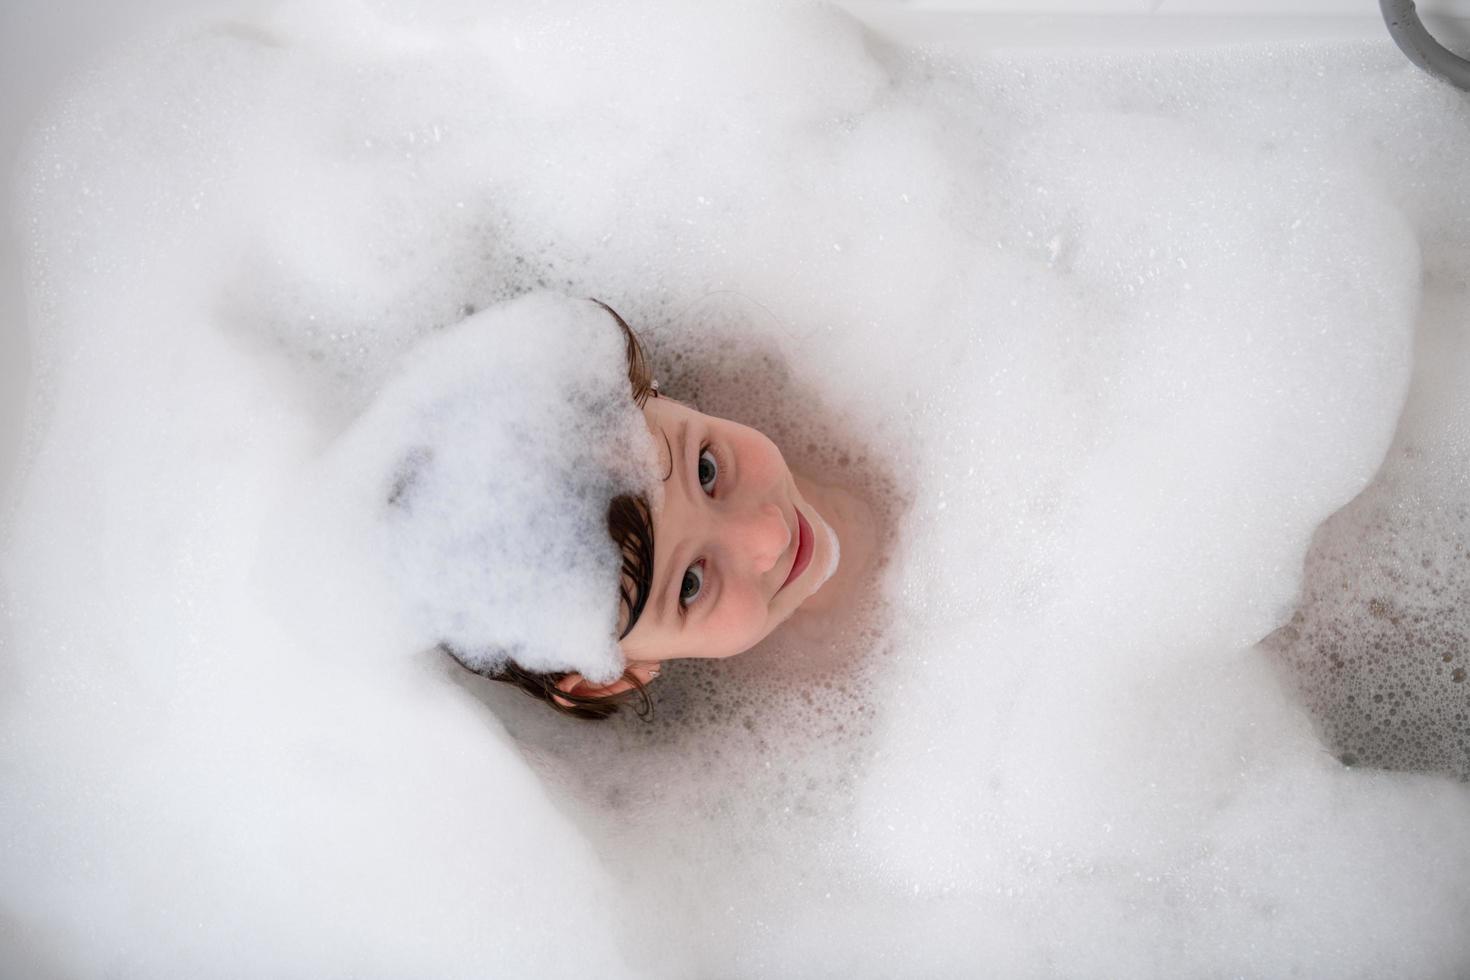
(630, 524)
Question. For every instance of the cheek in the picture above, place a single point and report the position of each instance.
(742, 622)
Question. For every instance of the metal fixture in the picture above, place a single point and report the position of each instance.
(1415, 41)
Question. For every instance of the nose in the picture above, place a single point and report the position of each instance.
(759, 536)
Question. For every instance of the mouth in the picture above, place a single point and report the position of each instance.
(804, 547)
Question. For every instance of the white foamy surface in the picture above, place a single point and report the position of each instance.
(1106, 345)
(491, 458)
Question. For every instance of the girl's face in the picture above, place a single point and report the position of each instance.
(737, 548)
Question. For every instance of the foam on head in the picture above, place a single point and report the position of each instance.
(1102, 343)
(507, 437)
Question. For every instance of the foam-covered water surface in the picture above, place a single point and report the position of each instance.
(1116, 348)
(1378, 646)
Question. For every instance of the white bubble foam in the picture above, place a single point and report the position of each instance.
(527, 405)
(1103, 343)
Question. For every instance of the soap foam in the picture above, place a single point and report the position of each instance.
(1103, 342)
(527, 405)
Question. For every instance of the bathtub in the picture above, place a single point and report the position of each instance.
(42, 43)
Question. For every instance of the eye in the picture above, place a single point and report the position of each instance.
(709, 470)
(693, 583)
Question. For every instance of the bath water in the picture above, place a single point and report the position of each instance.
(1152, 368)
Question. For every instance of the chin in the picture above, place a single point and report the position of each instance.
(828, 562)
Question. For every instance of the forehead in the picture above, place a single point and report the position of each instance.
(665, 419)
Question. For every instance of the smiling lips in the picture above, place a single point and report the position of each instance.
(804, 546)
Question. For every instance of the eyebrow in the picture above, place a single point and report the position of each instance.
(662, 604)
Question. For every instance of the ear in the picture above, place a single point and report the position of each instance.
(575, 683)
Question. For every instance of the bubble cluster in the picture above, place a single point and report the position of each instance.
(527, 405)
(1379, 645)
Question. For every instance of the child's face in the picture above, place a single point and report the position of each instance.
(737, 548)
